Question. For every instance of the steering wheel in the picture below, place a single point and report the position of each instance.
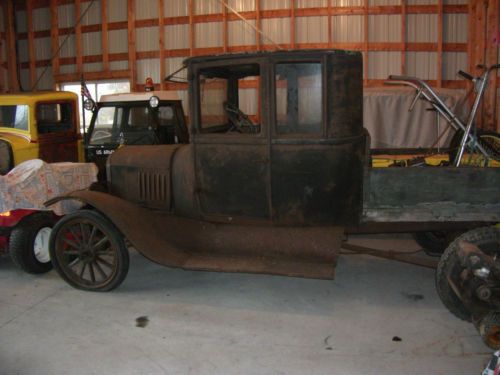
(238, 119)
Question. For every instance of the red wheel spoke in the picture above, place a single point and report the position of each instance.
(75, 235)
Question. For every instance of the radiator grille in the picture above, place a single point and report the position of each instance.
(153, 187)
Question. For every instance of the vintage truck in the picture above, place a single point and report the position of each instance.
(274, 193)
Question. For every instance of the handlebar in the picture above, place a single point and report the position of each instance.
(465, 75)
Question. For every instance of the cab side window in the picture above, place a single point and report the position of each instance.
(54, 117)
(229, 98)
(299, 94)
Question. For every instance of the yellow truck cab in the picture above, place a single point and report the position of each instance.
(43, 125)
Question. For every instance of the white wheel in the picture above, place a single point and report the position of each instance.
(41, 245)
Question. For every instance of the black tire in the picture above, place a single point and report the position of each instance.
(489, 329)
(89, 252)
(488, 139)
(22, 243)
(488, 240)
(434, 243)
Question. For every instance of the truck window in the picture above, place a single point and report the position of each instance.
(299, 98)
(229, 99)
(54, 117)
(103, 127)
(14, 116)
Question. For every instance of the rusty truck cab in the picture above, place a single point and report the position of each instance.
(278, 138)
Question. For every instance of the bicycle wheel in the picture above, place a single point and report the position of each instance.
(490, 141)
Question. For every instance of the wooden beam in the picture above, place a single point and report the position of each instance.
(191, 28)
(12, 71)
(330, 25)
(258, 24)
(31, 44)
(131, 44)
(440, 44)
(104, 35)
(78, 38)
(225, 41)
(491, 122)
(292, 24)
(365, 41)
(161, 32)
(403, 36)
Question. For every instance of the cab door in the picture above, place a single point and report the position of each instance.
(57, 133)
(231, 142)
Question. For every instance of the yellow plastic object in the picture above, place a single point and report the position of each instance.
(384, 161)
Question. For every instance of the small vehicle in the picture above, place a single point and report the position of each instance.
(145, 118)
(271, 194)
(40, 125)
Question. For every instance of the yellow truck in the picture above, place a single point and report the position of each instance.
(40, 125)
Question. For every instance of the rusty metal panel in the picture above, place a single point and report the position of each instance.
(191, 244)
(142, 174)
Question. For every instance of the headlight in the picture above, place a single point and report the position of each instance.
(154, 101)
(89, 105)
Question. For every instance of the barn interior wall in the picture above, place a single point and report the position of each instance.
(135, 39)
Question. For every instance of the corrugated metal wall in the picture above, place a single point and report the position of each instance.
(421, 28)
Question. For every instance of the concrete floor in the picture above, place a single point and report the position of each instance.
(216, 323)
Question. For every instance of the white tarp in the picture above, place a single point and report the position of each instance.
(386, 116)
(33, 182)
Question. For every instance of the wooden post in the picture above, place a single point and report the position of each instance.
(365, 42)
(11, 46)
(131, 45)
(292, 24)
(161, 32)
(440, 45)
(191, 28)
(104, 35)
(54, 36)
(31, 44)
(403, 36)
(225, 40)
(78, 38)
(330, 25)
(492, 40)
(257, 24)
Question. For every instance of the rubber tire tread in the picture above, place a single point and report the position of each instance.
(111, 231)
(449, 260)
(21, 242)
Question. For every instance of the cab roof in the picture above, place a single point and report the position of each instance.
(36, 96)
(139, 96)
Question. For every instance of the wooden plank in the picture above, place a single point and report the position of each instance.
(330, 24)
(104, 35)
(54, 36)
(93, 76)
(131, 44)
(78, 38)
(403, 37)
(440, 45)
(161, 31)
(11, 46)
(365, 41)
(191, 28)
(225, 41)
(31, 44)
(493, 35)
(258, 24)
(292, 23)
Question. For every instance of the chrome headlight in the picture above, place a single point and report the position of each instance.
(154, 101)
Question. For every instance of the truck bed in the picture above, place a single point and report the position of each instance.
(431, 194)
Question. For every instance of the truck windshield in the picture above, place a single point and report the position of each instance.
(138, 124)
(14, 116)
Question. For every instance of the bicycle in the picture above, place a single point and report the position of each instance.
(487, 144)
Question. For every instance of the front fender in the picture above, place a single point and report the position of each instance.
(141, 226)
